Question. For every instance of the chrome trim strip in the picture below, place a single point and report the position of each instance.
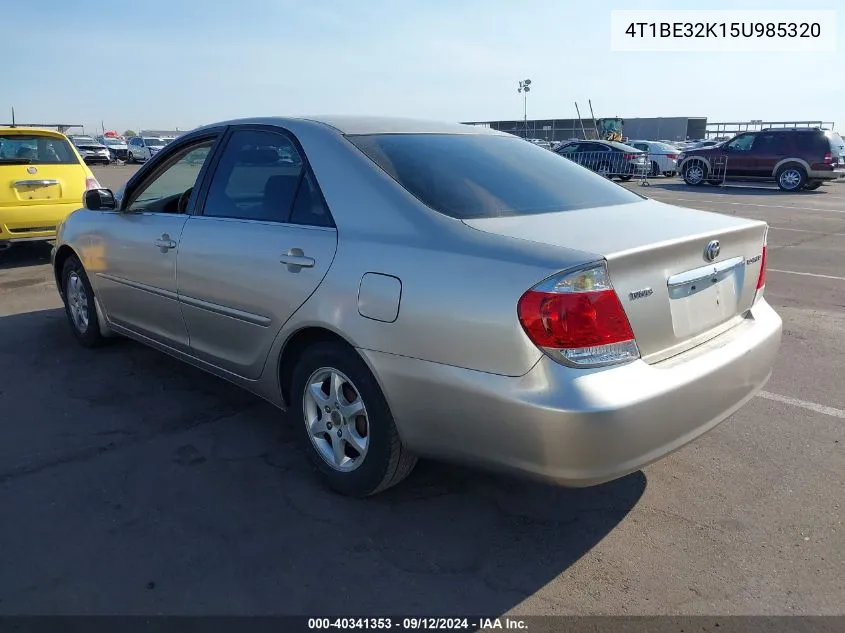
(35, 183)
(705, 272)
(240, 315)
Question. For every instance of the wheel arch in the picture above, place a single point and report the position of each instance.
(787, 161)
(293, 347)
(63, 253)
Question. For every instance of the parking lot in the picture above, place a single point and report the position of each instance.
(132, 483)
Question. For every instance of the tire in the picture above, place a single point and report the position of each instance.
(695, 173)
(130, 159)
(80, 308)
(384, 462)
(655, 169)
(812, 185)
(625, 178)
(791, 177)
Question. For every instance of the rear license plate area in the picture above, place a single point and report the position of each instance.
(38, 192)
(703, 298)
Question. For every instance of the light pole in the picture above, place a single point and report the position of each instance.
(524, 88)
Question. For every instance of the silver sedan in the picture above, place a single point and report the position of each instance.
(409, 288)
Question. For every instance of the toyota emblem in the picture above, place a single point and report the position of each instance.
(711, 252)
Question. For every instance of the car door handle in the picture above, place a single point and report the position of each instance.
(165, 243)
(295, 259)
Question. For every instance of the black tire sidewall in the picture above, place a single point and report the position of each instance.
(92, 335)
(367, 478)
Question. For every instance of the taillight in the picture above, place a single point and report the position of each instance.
(671, 156)
(761, 278)
(91, 183)
(577, 318)
(629, 156)
(828, 158)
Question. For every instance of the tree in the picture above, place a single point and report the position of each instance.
(129, 133)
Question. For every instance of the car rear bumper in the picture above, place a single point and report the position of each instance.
(34, 222)
(578, 427)
(826, 174)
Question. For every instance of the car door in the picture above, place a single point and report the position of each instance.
(260, 246)
(768, 150)
(739, 155)
(136, 276)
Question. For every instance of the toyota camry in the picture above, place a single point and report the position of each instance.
(407, 288)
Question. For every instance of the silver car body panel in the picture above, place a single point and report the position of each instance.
(430, 303)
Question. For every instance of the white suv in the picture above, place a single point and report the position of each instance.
(143, 148)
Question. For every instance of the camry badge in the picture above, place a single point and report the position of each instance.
(31, 170)
(711, 252)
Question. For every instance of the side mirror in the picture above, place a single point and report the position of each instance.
(99, 200)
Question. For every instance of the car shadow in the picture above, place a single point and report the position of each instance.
(23, 254)
(733, 188)
(140, 484)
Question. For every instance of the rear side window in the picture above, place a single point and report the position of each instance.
(468, 176)
(35, 149)
(257, 178)
(812, 142)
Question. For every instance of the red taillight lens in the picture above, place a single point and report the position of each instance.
(761, 280)
(91, 183)
(671, 156)
(828, 158)
(629, 156)
(578, 318)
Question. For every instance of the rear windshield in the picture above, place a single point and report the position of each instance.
(154, 142)
(35, 149)
(468, 176)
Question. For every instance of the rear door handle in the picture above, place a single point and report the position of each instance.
(165, 243)
(295, 259)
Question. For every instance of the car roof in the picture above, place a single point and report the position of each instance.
(354, 125)
(31, 130)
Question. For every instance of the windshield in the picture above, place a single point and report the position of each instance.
(84, 140)
(154, 142)
(468, 176)
(35, 149)
(113, 141)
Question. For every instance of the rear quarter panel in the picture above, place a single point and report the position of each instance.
(459, 286)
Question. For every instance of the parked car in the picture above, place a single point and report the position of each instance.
(662, 158)
(607, 158)
(794, 158)
(494, 304)
(92, 151)
(142, 148)
(118, 149)
(42, 179)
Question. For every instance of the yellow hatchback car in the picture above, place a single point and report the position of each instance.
(42, 179)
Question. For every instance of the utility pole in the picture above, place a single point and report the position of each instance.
(524, 88)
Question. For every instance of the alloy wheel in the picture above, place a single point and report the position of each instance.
(336, 419)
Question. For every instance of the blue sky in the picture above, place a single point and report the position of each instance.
(180, 63)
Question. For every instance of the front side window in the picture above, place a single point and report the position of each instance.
(741, 143)
(257, 177)
(162, 194)
(36, 149)
(470, 176)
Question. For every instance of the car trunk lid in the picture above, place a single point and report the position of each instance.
(29, 184)
(674, 295)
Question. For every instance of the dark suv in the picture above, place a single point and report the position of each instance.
(795, 158)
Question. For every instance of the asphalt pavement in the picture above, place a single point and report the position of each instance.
(131, 483)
